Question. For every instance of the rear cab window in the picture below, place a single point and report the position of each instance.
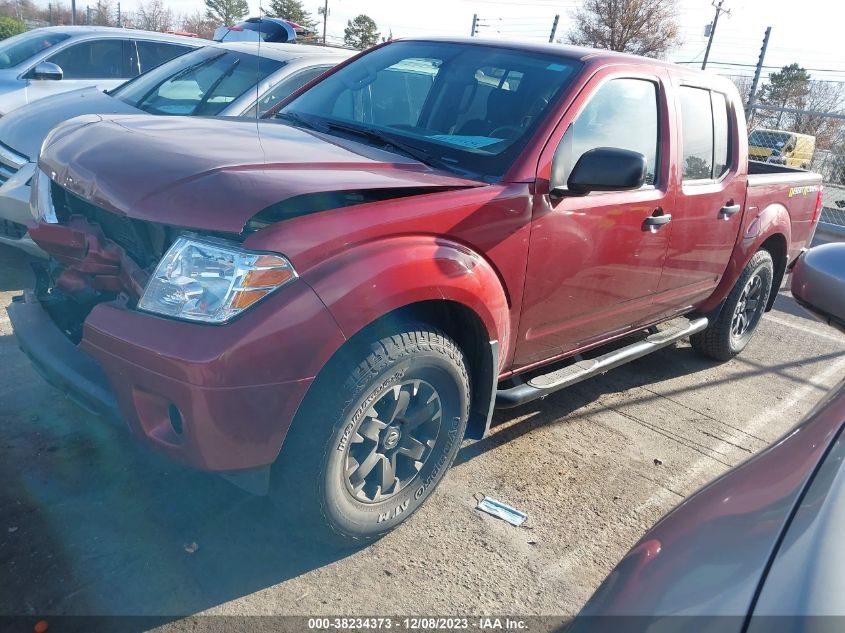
(705, 134)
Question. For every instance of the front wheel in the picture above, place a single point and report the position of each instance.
(374, 437)
(728, 335)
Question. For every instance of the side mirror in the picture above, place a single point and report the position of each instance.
(818, 283)
(605, 169)
(48, 71)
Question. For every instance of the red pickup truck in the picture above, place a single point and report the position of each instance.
(322, 306)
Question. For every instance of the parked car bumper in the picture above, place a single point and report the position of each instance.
(15, 213)
(199, 394)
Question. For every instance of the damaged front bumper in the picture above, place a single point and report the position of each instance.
(216, 397)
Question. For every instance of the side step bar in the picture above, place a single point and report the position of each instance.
(543, 385)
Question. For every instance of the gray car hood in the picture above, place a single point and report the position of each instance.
(25, 128)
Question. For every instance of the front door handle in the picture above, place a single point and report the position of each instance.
(656, 221)
(729, 210)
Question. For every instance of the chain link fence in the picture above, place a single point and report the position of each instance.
(808, 140)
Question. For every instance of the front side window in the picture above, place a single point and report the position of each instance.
(201, 83)
(623, 113)
(19, 48)
(467, 108)
(99, 59)
(706, 135)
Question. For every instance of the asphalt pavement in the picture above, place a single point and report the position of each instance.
(93, 523)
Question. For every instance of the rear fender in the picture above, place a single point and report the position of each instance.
(759, 226)
(364, 283)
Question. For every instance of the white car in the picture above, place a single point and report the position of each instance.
(217, 80)
(44, 62)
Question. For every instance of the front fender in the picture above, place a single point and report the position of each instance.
(372, 279)
(772, 221)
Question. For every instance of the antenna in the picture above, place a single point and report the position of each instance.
(258, 70)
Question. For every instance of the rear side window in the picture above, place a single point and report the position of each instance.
(706, 134)
(154, 54)
(721, 135)
(623, 113)
(99, 59)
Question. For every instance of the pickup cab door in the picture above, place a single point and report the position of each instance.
(595, 261)
(708, 208)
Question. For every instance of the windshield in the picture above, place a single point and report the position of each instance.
(18, 49)
(201, 83)
(770, 140)
(470, 108)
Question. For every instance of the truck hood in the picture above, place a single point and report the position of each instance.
(25, 128)
(216, 174)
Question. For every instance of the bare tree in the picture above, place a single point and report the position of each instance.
(104, 14)
(642, 27)
(198, 22)
(153, 15)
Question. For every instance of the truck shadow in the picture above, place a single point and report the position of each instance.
(92, 523)
(668, 363)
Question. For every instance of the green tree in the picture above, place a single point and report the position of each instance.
(227, 12)
(292, 10)
(10, 27)
(787, 88)
(361, 33)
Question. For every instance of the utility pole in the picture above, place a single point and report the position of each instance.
(119, 17)
(88, 15)
(749, 108)
(50, 12)
(325, 19)
(73, 12)
(474, 23)
(719, 10)
(554, 29)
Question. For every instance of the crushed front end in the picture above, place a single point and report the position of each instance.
(217, 396)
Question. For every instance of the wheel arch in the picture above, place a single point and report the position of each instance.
(776, 246)
(424, 279)
(769, 229)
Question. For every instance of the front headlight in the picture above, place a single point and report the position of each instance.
(212, 281)
(41, 199)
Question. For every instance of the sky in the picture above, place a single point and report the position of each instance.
(808, 32)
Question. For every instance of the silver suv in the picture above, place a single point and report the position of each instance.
(47, 61)
(241, 79)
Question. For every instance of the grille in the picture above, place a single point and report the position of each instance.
(10, 163)
(13, 230)
(131, 235)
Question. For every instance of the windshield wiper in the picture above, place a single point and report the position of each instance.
(388, 141)
(300, 121)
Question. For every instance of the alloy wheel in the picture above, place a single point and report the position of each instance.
(393, 441)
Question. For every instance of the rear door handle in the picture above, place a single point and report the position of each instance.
(658, 220)
(729, 210)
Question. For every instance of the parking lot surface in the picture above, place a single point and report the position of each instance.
(93, 523)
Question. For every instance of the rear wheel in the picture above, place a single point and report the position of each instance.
(728, 335)
(374, 437)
